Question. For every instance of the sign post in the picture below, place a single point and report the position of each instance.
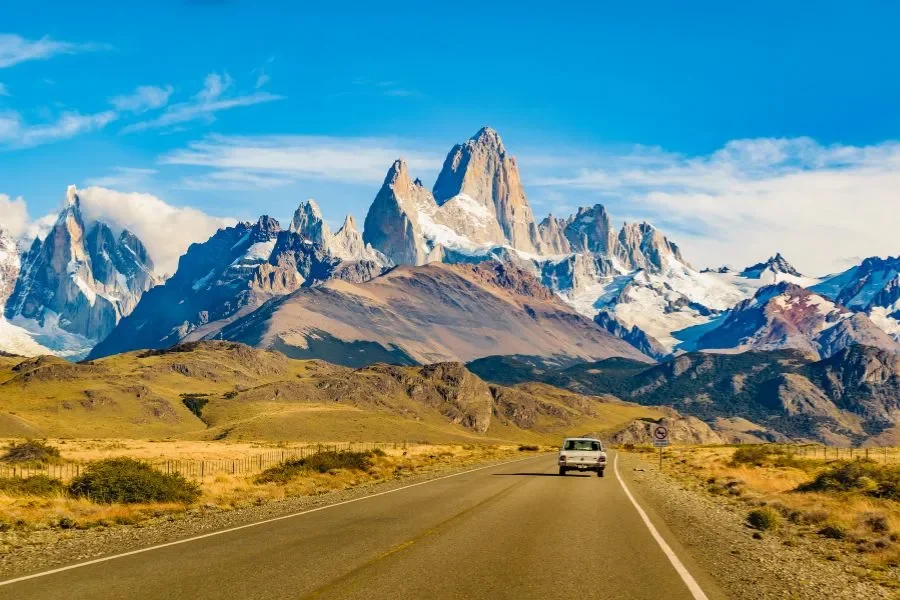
(660, 435)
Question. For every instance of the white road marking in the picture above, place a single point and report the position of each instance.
(239, 527)
(689, 581)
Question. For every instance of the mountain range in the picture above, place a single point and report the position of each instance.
(850, 398)
(457, 272)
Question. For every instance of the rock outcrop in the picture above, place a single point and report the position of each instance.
(10, 264)
(392, 224)
(81, 280)
(682, 430)
(552, 230)
(788, 316)
(484, 172)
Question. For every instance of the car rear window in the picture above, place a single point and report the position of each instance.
(582, 445)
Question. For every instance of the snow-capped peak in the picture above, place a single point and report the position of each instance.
(71, 196)
(775, 265)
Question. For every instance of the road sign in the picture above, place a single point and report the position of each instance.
(660, 435)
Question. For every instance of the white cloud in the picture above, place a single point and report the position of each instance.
(13, 215)
(166, 230)
(215, 97)
(234, 180)
(816, 204)
(15, 49)
(14, 218)
(15, 133)
(122, 177)
(292, 158)
(144, 98)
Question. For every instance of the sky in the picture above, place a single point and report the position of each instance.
(737, 130)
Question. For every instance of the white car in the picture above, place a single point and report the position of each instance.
(582, 454)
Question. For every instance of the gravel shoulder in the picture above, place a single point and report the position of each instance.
(713, 536)
(34, 551)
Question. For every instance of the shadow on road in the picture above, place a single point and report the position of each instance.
(538, 475)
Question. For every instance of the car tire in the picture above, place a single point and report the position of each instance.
(562, 471)
(600, 473)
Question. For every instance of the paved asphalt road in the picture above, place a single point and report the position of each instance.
(514, 531)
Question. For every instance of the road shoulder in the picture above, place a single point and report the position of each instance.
(721, 552)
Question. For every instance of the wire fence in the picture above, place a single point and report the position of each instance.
(250, 464)
(883, 454)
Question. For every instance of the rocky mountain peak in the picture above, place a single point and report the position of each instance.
(349, 225)
(776, 265)
(72, 196)
(552, 231)
(481, 169)
(9, 265)
(786, 315)
(489, 138)
(309, 223)
(642, 246)
(80, 280)
(589, 230)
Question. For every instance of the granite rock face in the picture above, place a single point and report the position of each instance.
(482, 170)
(10, 263)
(80, 279)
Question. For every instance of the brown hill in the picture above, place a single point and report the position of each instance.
(427, 314)
(217, 390)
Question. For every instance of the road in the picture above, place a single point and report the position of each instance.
(511, 531)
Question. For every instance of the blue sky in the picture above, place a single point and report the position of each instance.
(235, 109)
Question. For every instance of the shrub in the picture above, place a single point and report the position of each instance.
(750, 455)
(130, 481)
(833, 532)
(761, 455)
(528, 448)
(31, 451)
(763, 519)
(195, 403)
(36, 485)
(322, 462)
(876, 522)
(865, 476)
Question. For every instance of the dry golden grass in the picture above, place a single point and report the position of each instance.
(20, 514)
(870, 526)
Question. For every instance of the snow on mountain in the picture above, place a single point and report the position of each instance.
(634, 272)
(76, 284)
(10, 264)
(872, 287)
(786, 315)
(236, 271)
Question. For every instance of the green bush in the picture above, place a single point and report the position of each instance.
(36, 485)
(528, 448)
(30, 451)
(195, 403)
(131, 481)
(864, 476)
(763, 519)
(323, 462)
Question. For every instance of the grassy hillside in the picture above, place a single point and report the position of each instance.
(222, 390)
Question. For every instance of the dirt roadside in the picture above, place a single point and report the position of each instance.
(716, 538)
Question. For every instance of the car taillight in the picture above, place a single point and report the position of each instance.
(562, 457)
